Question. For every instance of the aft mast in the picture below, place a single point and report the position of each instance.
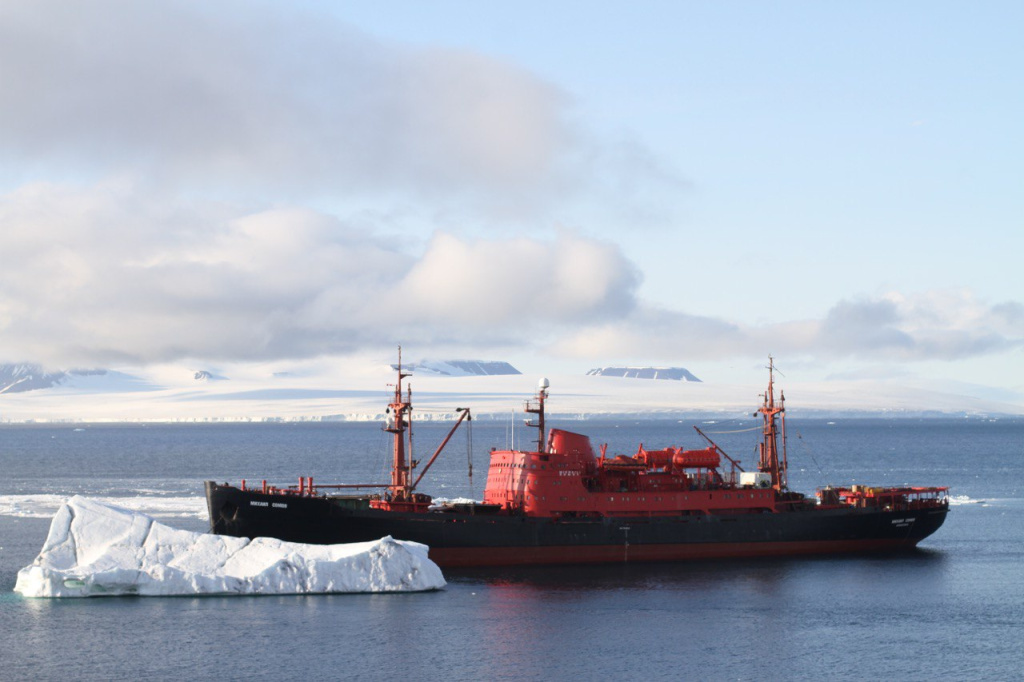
(398, 423)
(769, 448)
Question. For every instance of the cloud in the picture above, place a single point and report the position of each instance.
(165, 155)
(114, 274)
(937, 325)
(866, 326)
(490, 283)
(111, 274)
(182, 145)
(251, 98)
(952, 324)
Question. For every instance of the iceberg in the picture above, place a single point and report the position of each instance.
(99, 549)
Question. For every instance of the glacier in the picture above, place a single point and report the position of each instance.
(311, 393)
(99, 549)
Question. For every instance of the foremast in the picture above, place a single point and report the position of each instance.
(402, 495)
(774, 417)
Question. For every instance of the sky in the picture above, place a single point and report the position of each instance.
(560, 185)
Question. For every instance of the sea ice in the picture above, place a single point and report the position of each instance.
(98, 549)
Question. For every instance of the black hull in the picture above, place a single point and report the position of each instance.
(462, 539)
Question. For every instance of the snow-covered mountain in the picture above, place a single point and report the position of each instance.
(669, 373)
(22, 377)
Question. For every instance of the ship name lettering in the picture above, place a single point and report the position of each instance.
(254, 503)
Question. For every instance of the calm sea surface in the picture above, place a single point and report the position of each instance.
(954, 608)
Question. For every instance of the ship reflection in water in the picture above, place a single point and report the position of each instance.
(765, 576)
(732, 619)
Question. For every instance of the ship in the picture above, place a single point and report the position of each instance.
(562, 502)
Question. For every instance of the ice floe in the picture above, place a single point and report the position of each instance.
(959, 500)
(99, 549)
(153, 502)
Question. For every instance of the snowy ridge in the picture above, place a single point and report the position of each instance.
(23, 378)
(96, 549)
(359, 393)
(20, 378)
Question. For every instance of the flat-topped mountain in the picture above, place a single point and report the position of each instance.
(669, 373)
(461, 368)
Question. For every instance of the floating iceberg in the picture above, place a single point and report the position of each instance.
(98, 549)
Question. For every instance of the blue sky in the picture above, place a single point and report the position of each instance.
(559, 184)
(866, 146)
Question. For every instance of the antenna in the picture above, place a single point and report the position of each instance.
(538, 409)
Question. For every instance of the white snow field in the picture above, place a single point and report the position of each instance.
(360, 393)
(98, 549)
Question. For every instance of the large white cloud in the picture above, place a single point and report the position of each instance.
(491, 283)
(111, 274)
(253, 98)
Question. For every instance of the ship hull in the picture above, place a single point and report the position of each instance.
(465, 539)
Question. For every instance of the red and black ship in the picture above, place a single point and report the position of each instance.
(564, 503)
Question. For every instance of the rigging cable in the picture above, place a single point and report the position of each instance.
(718, 433)
(469, 453)
(822, 480)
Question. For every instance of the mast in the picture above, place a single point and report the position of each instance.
(769, 461)
(538, 409)
(398, 423)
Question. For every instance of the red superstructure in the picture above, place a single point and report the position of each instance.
(566, 478)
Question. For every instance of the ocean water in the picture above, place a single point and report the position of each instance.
(953, 609)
